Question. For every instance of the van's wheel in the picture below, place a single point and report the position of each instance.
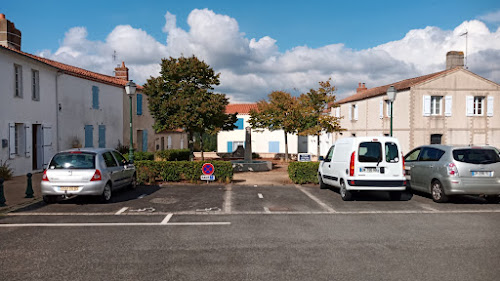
(494, 199)
(50, 199)
(395, 195)
(106, 194)
(133, 184)
(345, 194)
(322, 185)
(437, 192)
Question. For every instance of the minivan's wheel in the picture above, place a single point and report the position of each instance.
(106, 193)
(437, 192)
(50, 199)
(345, 194)
(322, 185)
(493, 199)
(133, 184)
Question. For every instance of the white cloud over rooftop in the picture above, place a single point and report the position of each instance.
(253, 67)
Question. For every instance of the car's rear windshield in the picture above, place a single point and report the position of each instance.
(73, 160)
(476, 156)
(370, 152)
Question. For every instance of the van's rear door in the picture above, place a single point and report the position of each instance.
(379, 160)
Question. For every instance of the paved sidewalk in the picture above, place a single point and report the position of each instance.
(277, 176)
(15, 191)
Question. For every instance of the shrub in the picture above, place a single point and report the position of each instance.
(173, 155)
(150, 171)
(5, 170)
(303, 172)
(123, 149)
(141, 156)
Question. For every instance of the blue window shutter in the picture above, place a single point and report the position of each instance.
(102, 136)
(239, 124)
(274, 146)
(95, 97)
(145, 140)
(229, 146)
(89, 136)
(139, 104)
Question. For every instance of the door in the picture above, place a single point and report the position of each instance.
(327, 168)
(48, 150)
(428, 161)
(413, 168)
(113, 169)
(37, 147)
(302, 144)
(127, 171)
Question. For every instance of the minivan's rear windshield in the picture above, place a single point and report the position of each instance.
(73, 160)
(476, 156)
(370, 152)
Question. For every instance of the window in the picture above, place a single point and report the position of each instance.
(431, 154)
(370, 152)
(353, 112)
(19, 139)
(239, 124)
(139, 104)
(436, 138)
(476, 156)
(120, 158)
(109, 160)
(169, 142)
(478, 105)
(436, 105)
(35, 85)
(391, 152)
(413, 155)
(274, 146)
(95, 97)
(18, 81)
(73, 160)
(329, 155)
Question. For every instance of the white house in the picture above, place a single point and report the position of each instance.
(47, 106)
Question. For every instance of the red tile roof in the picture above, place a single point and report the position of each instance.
(400, 86)
(76, 71)
(242, 108)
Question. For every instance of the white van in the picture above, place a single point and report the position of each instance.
(364, 163)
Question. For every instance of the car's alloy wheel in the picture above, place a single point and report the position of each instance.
(437, 192)
(345, 194)
(106, 193)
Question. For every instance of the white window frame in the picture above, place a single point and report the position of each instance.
(18, 81)
(478, 106)
(387, 108)
(353, 112)
(35, 85)
(436, 101)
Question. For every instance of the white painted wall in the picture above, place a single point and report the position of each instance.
(25, 110)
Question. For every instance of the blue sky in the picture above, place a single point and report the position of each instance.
(351, 30)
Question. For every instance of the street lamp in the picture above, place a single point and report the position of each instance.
(391, 95)
(130, 88)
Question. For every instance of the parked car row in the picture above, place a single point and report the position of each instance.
(377, 163)
(87, 171)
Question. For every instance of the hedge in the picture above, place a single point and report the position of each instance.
(303, 172)
(173, 155)
(150, 171)
(141, 156)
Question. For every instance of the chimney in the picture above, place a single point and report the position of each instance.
(9, 36)
(121, 72)
(454, 59)
(361, 87)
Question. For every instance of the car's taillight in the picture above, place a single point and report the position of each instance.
(402, 158)
(97, 176)
(452, 170)
(44, 177)
(351, 166)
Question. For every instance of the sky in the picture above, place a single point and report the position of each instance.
(262, 46)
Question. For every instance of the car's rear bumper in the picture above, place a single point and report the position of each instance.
(485, 186)
(90, 188)
(383, 185)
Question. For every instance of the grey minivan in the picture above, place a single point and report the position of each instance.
(444, 171)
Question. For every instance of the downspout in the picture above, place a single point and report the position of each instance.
(58, 108)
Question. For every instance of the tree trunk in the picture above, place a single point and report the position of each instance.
(286, 147)
(319, 148)
(190, 145)
(201, 147)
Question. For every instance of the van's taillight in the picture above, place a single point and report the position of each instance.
(403, 158)
(452, 170)
(351, 166)
(97, 176)
(44, 177)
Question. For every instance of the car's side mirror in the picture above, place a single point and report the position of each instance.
(321, 158)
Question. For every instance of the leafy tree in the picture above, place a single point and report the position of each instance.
(281, 112)
(182, 97)
(316, 106)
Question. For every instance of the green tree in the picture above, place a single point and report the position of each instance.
(316, 106)
(182, 97)
(281, 112)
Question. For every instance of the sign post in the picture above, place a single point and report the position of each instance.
(207, 169)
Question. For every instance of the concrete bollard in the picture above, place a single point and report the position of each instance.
(29, 188)
(2, 197)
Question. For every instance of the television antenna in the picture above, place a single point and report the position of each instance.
(466, 33)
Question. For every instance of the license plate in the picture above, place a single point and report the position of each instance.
(369, 170)
(482, 174)
(68, 188)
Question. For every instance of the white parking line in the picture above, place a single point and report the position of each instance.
(260, 195)
(111, 224)
(266, 209)
(326, 207)
(166, 219)
(426, 207)
(121, 210)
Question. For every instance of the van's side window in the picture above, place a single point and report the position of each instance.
(370, 152)
(391, 152)
(329, 155)
(413, 155)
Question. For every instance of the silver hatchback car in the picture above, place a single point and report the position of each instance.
(444, 171)
(88, 171)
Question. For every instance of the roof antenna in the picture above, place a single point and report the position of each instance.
(114, 55)
(466, 33)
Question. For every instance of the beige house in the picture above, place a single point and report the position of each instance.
(454, 106)
(144, 136)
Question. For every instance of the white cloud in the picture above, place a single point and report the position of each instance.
(253, 67)
(493, 17)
